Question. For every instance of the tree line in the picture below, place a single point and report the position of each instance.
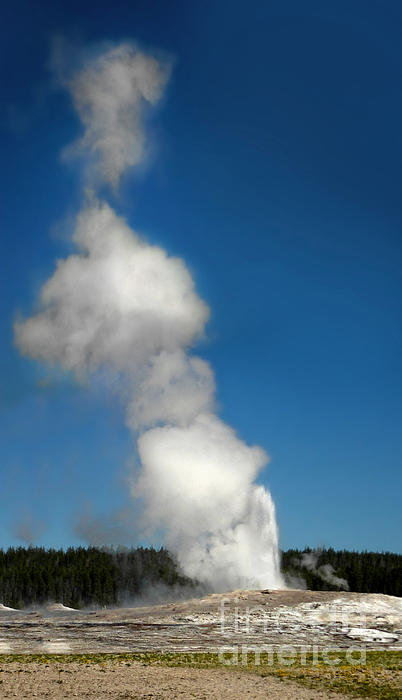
(364, 572)
(79, 577)
(85, 576)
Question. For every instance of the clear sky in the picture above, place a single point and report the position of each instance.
(276, 174)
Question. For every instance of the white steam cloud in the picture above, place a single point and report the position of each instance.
(125, 308)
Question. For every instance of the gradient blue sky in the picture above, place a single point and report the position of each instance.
(277, 176)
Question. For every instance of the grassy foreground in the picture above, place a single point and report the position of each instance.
(378, 677)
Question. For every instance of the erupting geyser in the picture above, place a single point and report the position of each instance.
(124, 307)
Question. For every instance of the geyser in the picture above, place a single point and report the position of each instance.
(129, 310)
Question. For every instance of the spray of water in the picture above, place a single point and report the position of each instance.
(128, 310)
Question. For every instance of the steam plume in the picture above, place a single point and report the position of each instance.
(326, 572)
(114, 528)
(110, 94)
(28, 528)
(125, 308)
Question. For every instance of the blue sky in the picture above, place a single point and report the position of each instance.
(277, 175)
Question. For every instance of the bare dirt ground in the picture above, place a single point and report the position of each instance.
(117, 681)
(236, 620)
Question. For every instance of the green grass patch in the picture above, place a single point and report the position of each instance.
(378, 677)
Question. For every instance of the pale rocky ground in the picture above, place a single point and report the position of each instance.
(206, 624)
(263, 619)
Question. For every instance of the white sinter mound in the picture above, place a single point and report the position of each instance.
(59, 607)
